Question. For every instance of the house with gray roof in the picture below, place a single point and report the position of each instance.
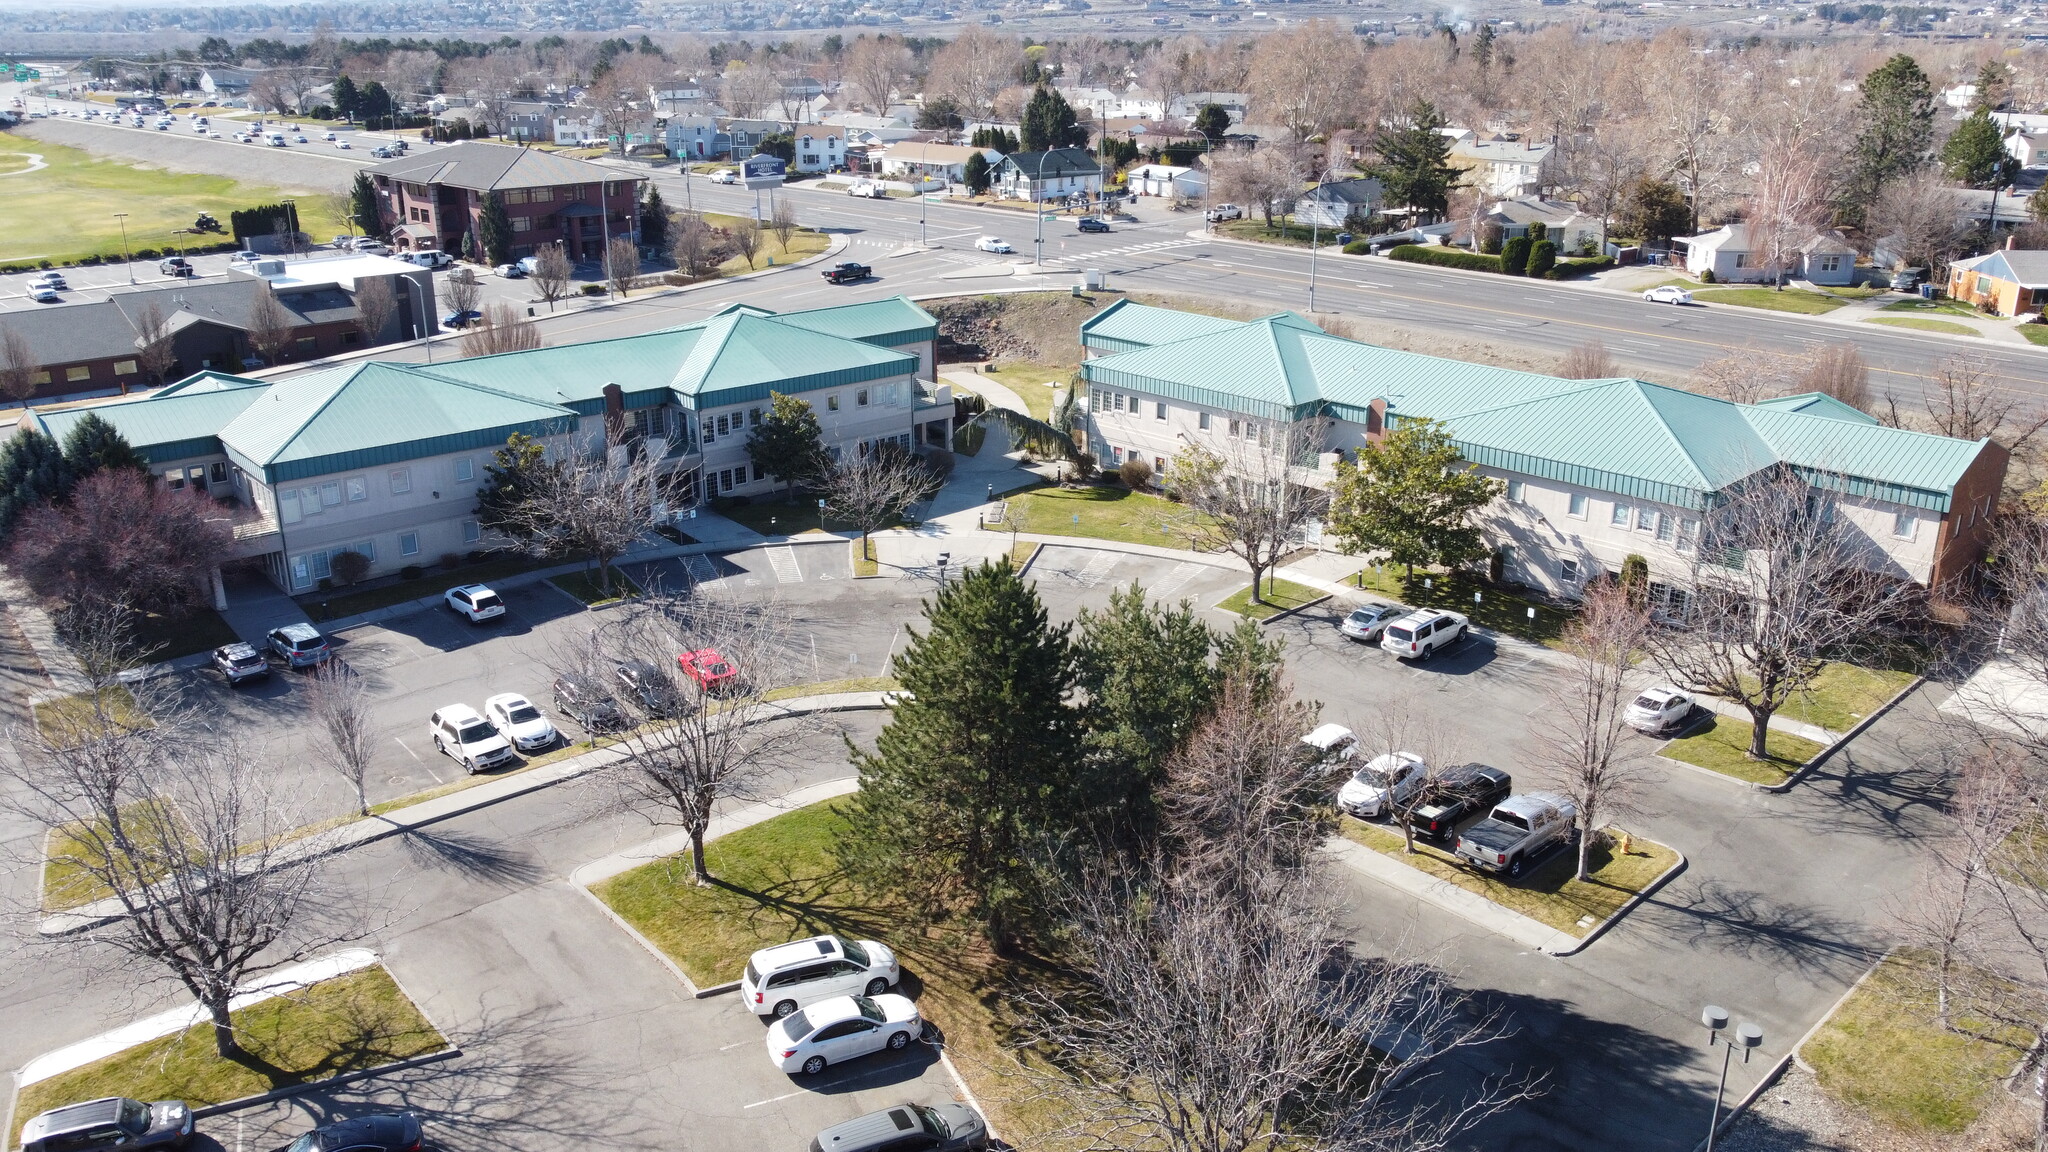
(434, 198)
(2008, 281)
(1038, 176)
(385, 459)
(1594, 470)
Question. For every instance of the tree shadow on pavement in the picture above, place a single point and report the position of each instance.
(474, 856)
(1707, 916)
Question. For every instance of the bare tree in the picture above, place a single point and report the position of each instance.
(1778, 587)
(973, 68)
(1588, 361)
(462, 289)
(590, 502)
(1582, 734)
(748, 89)
(1968, 400)
(1305, 78)
(1787, 203)
(1268, 179)
(502, 329)
(697, 744)
(695, 246)
(1252, 500)
(1837, 370)
(340, 703)
(551, 273)
(874, 67)
(621, 264)
(1747, 375)
(747, 239)
(870, 490)
(17, 365)
(154, 351)
(1921, 219)
(783, 222)
(269, 326)
(376, 304)
(1403, 752)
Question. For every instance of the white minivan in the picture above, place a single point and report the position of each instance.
(787, 977)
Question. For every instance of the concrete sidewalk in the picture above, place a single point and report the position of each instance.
(1451, 898)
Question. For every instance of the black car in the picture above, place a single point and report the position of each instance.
(175, 266)
(847, 273)
(585, 700)
(651, 685)
(1092, 224)
(239, 662)
(462, 319)
(393, 1132)
(1456, 793)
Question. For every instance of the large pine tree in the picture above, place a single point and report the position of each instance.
(1145, 669)
(1415, 171)
(979, 765)
(1049, 123)
(1975, 154)
(362, 206)
(1897, 133)
(494, 229)
(32, 472)
(93, 445)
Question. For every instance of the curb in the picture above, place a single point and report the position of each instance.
(1837, 1007)
(1829, 751)
(674, 969)
(448, 1053)
(1294, 611)
(1649, 890)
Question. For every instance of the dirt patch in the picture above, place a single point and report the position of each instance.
(1040, 327)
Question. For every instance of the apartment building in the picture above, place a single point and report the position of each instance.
(435, 197)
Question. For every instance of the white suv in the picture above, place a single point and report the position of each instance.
(1390, 779)
(461, 733)
(1420, 633)
(787, 977)
(474, 602)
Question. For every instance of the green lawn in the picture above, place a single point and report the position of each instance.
(1280, 596)
(64, 719)
(1723, 746)
(361, 1020)
(771, 515)
(864, 562)
(1843, 694)
(803, 242)
(1021, 554)
(830, 687)
(68, 857)
(1253, 227)
(1885, 1050)
(1858, 292)
(338, 605)
(72, 203)
(1499, 609)
(1033, 383)
(1941, 306)
(586, 586)
(1551, 894)
(2034, 333)
(1102, 513)
(1788, 300)
(1922, 324)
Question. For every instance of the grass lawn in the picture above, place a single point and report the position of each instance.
(67, 883)
(1723, 746)
(1551, 894)
(777, 881)
(1843, 694)
(1943, 306)
(1033, 382)
(1858, 292)
(351, 1022)
(1281, 596)
(1923, 324)
(586, 586)
(72, 202)
(1789, 300)
(864, 562)
(1883, 1050)
(1021, 554)
(802, 242)
(830, 687)
(65, 718)
(337, 605)
(2034, 333)
(772, 517)
(1497, 608)
(1253, 227)
(169, 637)
(1101, 513)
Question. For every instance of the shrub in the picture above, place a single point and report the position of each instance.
(1635, 578)
(1446, 257)
(1084, 465)
(349, 567)
(1514, 256)
(450, 560)
(411, 572)
(1538, 232)
(1707, 277)
(1357, 248)
(1542, 257)
(1489, 238)
(1135, 473)
(478, 556)
(593, 289)
(1566, 269)
(43, 264)
(326, 584)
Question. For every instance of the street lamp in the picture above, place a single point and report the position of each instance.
(123, 218)
(291, 243)
(1747, 1036)
(923, 205)
(1315, 240)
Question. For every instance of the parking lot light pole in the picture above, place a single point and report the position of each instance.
(1747, 1036)
(1315, 241)
(123, 218)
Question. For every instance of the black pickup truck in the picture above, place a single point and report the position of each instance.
(847, 273)
(1457, 793)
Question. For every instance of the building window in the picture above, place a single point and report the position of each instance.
(358, 488)
(174, 480)
(1646, 519)
(1202, 421)
(1664, 529)
(408, 543)
(515, 195)
(330, 493)
(1514, 491)
(367, 547)
(860, 398)
(124, 367)
(309, 501)
(1568, 571)
(1577, 507)
(401, 481)
(1621, 514)
(1159, 465)
(1742, 259)
(543, 195)
(753, 417)
(43, 377)
(351, 338)
(522, 223)
(465, 470)
(1237, 427)
(77, 372)
(1159, 411)
(471, 532)
(1831, 263)
(832, 402)
(307, 345)
(1688, 531)
(220, 472)
(1904, 525)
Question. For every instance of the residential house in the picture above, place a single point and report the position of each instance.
(1187, 107)
(1155, 179)
(93, 347)
(326, 466)
(695, 137)
(1827, 260)
(578, 126)
(819, 149)
(871, 129)
(222, 80)
(435, 198)
(2029, 148)
(1040, 176)
(1334, 202)
(2008, 282)
(1734, 255)
(743, 136)
(531, 120)
(922, 161)
(1593, 471)
(1571, 230)
(1508, 166)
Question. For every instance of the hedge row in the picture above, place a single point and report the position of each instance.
(97, 259)
(1445, 257)
(1566, 269)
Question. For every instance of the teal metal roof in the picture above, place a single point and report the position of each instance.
(889, 323)
(1263, 367)
(1127, 325)
(574, 375)
(1817, 404)
(207, 382)
(1894, 464)
(740, 357)
(167, 424)
(363, 415)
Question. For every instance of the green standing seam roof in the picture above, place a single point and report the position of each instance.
(741, 357)
(889, 323)
(1127, 325)
(167, 424)
(574, 375)
(1816, 404)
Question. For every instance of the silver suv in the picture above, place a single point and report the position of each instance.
(787, 977)
(115, 1122)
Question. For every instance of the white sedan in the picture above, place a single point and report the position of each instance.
(1668, 294)
(517, 720)
(840, 1029)
(342, 144)
(991, 244)
(1658, 710)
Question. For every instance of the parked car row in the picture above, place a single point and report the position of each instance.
(1410, 635)
(118, 1122)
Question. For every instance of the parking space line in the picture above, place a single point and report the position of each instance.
(700, 569)
(1097, 569)
(408, 749)
(773, 1099)
(1176, 579)
(787, 570)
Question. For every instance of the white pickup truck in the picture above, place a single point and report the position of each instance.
(1519, 830)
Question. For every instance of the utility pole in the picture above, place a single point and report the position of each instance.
(123, 218)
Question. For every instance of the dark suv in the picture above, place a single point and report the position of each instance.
(392, 1132)
(651, 686)
(115, 1122)
(584, 700)
(1456, 793)
(945, 1127)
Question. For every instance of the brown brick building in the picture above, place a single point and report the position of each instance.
(433, 199)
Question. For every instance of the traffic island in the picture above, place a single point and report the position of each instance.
(1281, 597)
(1721, 745)
(344, 1026)
(1547, 908)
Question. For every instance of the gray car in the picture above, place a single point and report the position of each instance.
(115, 1122)
(1368, 622)
(301, 645)
(944, 1127)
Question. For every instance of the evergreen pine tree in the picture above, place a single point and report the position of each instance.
(32, 472)
(347, 99)
(508, 484)
(654, 220)
(495, 230)
(93, 444)
(1975, 154)
(978, 766)
(1897, 118)
(1049, 123)
(1415, 169)
(976, 174)
(788, 444)
(362, 206)
(1212, 121)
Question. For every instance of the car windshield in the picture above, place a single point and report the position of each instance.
(135, 1115)
(1372, 775)
(854, 952)
(870, 1009)
(753, 974)
(797, 1025)
(522, 714)
(1400, 634)
(933, 1124)
(1650, 703)
(245, 660)
(473, 732)
(310, 1142)
(1364, 616)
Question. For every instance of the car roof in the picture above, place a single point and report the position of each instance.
(1375, 607)
(1328, 735)
(237, 651)
(1389, 759)
(457, 713)
(1662, 692)
(1465, 773)
(472, 589)
(782, 956)
(506, 699)
(1425, 615)
(388, 1128)
(869, 1131)
(86, 1114)
(297, 632)
(832, 1011)
(1529, 803)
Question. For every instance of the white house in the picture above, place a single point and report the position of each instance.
(1154, 179)
(1039, 176)
(1733, 255)
(1571, 230)
(579, 126)
(1505, 167)
(695, 137)
(917, 160)
(1330, 205)
(820, 149)
(2029, 148)
(871, 129)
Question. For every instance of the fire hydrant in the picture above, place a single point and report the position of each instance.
(1626, 840)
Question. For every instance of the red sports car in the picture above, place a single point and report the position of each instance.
(707, 668)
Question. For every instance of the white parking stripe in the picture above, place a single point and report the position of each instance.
(773, 1099)
(1176, 580)
(787, 570)
(1097, 569)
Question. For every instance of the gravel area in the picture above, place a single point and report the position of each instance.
(301, 168)
(1797, 1115)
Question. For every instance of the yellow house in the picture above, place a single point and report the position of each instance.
(2007, 282)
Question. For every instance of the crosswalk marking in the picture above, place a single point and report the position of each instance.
(787, 571)
(1175, 580)
(1097, 569)
(701, 569)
